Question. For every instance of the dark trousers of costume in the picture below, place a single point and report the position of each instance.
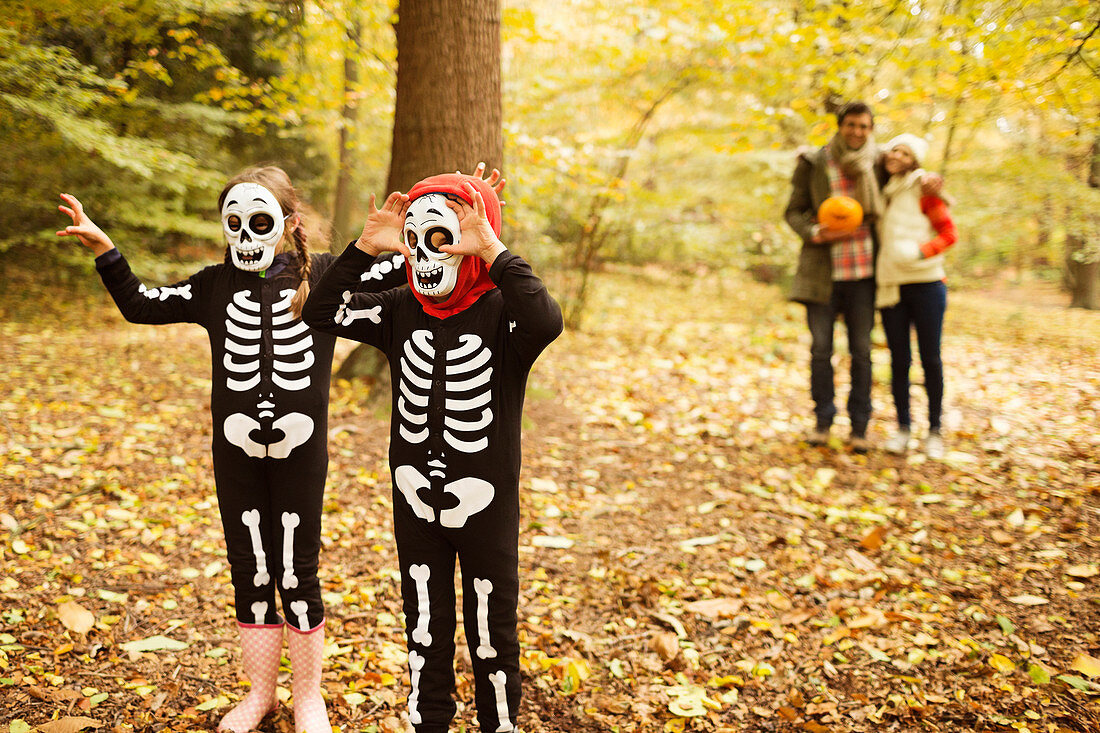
(854, 301)
(486, 549)
(921, 308)
(275, 494)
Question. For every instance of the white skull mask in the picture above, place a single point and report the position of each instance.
(429, 224)
(253, 222)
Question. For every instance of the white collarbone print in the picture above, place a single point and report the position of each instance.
(266, 433)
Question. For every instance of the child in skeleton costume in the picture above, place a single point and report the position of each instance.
(270, 408)
(460, 343)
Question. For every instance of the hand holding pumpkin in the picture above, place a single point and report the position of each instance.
(838, 218)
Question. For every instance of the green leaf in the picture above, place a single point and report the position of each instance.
(1038, 674)
(1078, 683)
(1006, 625)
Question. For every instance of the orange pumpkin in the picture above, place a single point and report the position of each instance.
(840, 212)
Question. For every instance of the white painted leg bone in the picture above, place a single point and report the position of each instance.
(259, 612)
(290, 521)
(483, 587)
(251, 520)
(301, 610)
(500, 680)
(416, 663)
(408, 480)
(473, 494)
(420, 574)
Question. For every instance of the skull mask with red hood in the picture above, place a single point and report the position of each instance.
(445, 284)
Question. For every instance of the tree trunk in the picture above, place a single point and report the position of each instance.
(342, 205)
(367, 363)
(448, 114)
(1083, 273)
(1083, 278)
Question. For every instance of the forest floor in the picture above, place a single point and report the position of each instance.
(686, 562)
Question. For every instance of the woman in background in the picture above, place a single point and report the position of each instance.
(915, 230)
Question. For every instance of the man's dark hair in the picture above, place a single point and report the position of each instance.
(854, 108)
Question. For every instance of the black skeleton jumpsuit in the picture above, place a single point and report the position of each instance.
(269, 401)
(458, 389)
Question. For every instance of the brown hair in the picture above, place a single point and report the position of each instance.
(276, 180)
(855, 107)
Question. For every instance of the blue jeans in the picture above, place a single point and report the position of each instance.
(921, 307)
(855, 302)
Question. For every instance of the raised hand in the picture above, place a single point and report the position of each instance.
(83, 228)
(495, 181)
(383, 230)
(478, 238)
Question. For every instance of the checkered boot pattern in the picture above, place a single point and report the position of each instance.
(307, 650)
(261, 650)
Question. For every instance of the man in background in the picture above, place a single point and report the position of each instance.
(835, 274)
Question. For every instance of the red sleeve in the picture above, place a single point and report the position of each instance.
(936, 210)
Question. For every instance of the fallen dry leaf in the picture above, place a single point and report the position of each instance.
(1083, 571)
(69, 725)
(873, 540)
(666, 645)
(716, 607)
(75, 617)
(1086, 665)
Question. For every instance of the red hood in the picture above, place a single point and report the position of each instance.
(473, 273)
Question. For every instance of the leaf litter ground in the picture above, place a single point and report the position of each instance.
(686, 562)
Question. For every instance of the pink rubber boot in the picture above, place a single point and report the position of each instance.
(307, 650)
(261, 650)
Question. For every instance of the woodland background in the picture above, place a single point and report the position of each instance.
(688, 563)
(661, 131)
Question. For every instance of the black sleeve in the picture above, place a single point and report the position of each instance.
(329, 307)
(319, 264)
(383, 272)
(527, 304)
(386, 271)
(183, 302)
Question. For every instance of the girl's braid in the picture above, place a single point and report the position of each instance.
(305, 266)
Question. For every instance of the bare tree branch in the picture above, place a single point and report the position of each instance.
(1077, 53)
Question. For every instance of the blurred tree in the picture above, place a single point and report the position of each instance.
(708, 179)
(447, 114)
(342, 214)
(1083, 243)
(141, 109)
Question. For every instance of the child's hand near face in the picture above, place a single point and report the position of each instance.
(84, 228)
(478, 237)
(383, 231)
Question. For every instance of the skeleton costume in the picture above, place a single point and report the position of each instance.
(269, 401)
(459, 371)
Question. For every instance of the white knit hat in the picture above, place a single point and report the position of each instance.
(918, 146)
